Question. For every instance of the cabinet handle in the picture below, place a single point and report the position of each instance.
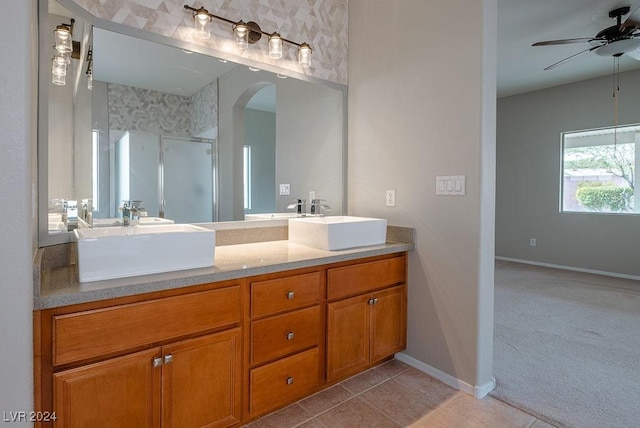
(168, 358)
(375, 301)
(157, 362)
(290, 380)
(370, 302)
(290, 335)
(290, 295)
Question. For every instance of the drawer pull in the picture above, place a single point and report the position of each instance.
(157, 362)
(290, 380)
(290, 335)
(168, 358)
(370, 302)
(290, 295)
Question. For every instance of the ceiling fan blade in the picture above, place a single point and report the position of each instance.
(564, 41)
(633, 20)
(570, 57)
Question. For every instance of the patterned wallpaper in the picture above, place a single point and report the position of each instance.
(321, 23)
(135, 109)
(203, 111)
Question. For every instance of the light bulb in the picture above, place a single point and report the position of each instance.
(304, 55)
(275, 46)
(202, 20)
(62, 36)
(58, 80)
(58, 68)
(241, 35)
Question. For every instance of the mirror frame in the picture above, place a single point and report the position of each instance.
(44, 237)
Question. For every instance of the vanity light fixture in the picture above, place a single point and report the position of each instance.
(65, 48)
(246, 33)
(89, 71)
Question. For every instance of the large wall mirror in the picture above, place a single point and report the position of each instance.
(195, 138)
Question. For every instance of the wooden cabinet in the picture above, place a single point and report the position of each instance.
(368, 327)
(219, 354)
(167, 361)
(192, 383)
(286, 340)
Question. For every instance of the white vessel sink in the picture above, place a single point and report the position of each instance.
(270, 216)
(116, 252)
(337, 232)
(108, 222)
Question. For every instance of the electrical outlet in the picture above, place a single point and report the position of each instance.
(532, 242)
(391, 198)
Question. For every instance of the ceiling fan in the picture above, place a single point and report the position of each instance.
(617, 40)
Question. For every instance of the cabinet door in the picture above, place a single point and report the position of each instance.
(388, 323)
(347, 336)
(201, 381)
(120, 392)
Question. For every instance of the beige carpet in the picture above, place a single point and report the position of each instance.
(567, 345)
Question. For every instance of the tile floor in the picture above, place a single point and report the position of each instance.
(394, 394)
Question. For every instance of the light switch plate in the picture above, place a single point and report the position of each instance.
(285, 189)
(450, 185)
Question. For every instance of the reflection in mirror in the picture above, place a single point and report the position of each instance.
(196, 139)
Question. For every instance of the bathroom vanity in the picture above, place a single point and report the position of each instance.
(268, 324)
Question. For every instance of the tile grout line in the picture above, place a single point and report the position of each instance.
(351, 398)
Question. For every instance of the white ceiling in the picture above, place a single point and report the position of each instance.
(524, 22)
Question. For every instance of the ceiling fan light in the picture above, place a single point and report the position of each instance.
(624, 46)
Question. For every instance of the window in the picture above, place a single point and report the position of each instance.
(598, 170)
(246, 176)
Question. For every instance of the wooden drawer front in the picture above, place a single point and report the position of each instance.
(98, 332)
(363, 277)
(277, 295)
(284, 334)
(284, 381)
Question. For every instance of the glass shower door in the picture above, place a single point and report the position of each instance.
(188, 179)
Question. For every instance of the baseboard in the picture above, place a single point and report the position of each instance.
(575, 269)
(478, 391)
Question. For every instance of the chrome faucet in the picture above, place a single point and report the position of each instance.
(131, 212)
(317, 205)
(300, 205)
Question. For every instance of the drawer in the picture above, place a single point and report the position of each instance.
(285, 334)
(363, 277)
(284, 381)
(90, 334)
(282, 294)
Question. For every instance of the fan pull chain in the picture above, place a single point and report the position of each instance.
(616, 93)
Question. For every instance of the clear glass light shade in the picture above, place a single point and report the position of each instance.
(58, 68)
(275, 46)
(62, 37)
(58, 80)
(202, 20)
(241, 35)
(61, 58)
(304, 55)
(90, 81)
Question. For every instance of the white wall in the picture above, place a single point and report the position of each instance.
(528, 178)
(421, 104)
(17, 172)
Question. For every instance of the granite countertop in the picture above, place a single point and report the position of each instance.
(58, 285)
